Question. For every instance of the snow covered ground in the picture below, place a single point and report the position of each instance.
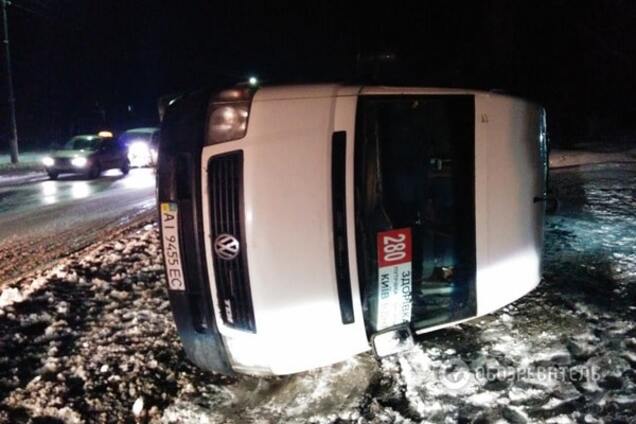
(92, 339)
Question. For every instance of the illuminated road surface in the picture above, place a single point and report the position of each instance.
(42, 220)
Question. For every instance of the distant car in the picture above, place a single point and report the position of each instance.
(89, 155)
(142, 145)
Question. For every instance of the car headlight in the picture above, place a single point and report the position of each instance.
(48, 161)
(228, 115)
(138, 148)
(79, 162)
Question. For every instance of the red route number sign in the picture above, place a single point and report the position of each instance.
(394, 247)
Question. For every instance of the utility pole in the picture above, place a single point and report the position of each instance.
(13, 142)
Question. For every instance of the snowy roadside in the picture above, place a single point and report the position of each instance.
(92, 339)
(29, 168)
(41, 250)
(569, 158)
(94, 335)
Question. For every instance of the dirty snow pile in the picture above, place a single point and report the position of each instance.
(91, 339)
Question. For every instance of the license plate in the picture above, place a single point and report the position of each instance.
(394, 278)
(171, 249)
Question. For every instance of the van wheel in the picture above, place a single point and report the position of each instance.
(125, 168)
(94, 171)
(52, 175)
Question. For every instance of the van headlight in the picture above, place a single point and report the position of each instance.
(48, 161)
(139, 149)
(228, 115)
(79, 162)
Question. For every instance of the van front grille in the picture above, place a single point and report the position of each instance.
(225, 184)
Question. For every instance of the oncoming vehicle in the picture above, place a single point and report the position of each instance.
(88, 155)
(302, 225)
(142, 145)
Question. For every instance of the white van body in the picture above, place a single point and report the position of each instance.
(287, 183)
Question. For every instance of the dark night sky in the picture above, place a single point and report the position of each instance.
(78, 61)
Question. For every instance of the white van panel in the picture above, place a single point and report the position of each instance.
(509, 223)
(289, 235)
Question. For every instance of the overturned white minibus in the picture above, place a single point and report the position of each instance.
(302, 225)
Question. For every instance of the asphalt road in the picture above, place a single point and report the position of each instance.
(42, 220)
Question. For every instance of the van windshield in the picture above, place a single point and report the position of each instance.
(415, 209)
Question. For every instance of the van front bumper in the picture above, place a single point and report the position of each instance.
(178, 182)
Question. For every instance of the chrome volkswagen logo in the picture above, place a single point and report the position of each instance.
(226, 247)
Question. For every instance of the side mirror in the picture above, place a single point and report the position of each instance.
(392, 340)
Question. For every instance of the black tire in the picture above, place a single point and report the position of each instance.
(94, 171)
(125, 168)
(52, 175)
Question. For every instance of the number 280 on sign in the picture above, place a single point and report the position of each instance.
(394, 278)
(394, 247)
